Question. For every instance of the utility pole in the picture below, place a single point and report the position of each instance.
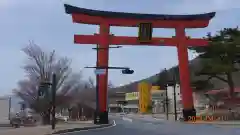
(97, 91)
(166, 94)
(10, 107)
(54, 85)
(174, 95)
(167, 103)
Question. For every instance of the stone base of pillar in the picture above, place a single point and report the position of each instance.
(101, 117)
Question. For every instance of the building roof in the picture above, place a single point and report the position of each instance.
(76, 10)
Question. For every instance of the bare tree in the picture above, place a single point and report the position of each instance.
(110, 84)
(39, 67)
(90, 83)
(87, 94)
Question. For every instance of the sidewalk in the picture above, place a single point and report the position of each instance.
(46, 130)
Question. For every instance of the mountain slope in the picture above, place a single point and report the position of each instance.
(194, 66)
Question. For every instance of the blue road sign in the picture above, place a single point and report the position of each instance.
(100, 71)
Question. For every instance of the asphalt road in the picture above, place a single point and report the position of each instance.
(138, 126)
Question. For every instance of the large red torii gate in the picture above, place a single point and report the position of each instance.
(106, 19)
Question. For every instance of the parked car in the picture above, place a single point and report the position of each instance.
(16, 121)
(22, 120)
(61, 118)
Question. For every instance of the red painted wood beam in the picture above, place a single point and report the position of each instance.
(86, 39)
(86, 19)
(124, 40)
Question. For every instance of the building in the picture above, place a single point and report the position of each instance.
(158, 101)
(115, 102)
(199, 99)
(170, 95)
(5, 105)
(132, 99)
(10, 106)
(158, 98)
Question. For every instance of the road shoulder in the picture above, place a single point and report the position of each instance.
(60, 128)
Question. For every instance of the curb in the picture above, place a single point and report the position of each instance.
(112, 123)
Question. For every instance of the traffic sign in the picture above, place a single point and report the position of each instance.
(100, 71)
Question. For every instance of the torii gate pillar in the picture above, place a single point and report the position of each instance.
(102, 81)
(186, 90)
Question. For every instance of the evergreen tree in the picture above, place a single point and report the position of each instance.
(220, 58)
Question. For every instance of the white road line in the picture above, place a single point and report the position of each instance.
(158, 119)
(127, 119)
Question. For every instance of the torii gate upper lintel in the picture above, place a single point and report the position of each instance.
(106, 19)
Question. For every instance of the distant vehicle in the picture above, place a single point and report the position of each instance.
(16, 121)
(61, 118)
(23, 118)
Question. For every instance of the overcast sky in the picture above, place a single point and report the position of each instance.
(45, 22)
